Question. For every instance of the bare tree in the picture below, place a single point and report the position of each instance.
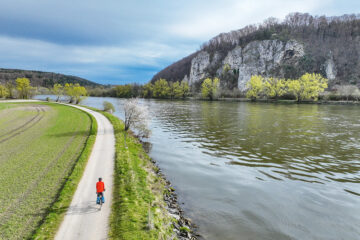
(348, 91)
(137, 117)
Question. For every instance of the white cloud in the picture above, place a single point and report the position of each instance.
(208, 21)
(96, 39)
(144, 53)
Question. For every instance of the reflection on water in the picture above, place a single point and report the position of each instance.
(263, 171)
(260, 171)
(298, 142)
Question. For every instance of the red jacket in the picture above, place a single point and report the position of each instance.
(100, 187)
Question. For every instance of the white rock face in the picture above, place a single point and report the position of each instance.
(216, 58)
(198, 65)
(257, 57)
(234, 58)
(295, 48)
(186, 79)
(330, 69)
(260, 57)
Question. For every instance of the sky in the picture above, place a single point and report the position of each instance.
(119, 42)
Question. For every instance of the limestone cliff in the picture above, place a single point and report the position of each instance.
(257, 57)
(302, 43)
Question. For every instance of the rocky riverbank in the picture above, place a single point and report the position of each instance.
(184, 228)
(142, 193)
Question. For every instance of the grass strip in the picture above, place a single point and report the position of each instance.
(56, 213)
(138, 208)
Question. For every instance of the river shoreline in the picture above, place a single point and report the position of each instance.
(279, 101)
(182, 227)
(324, 102)
(255, 170)
(174, 209)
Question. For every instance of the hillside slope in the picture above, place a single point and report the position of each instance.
(301, 43)
(43, 79)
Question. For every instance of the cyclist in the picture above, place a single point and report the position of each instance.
(100, 189)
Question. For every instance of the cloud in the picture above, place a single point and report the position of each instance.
(118, 41)
(145, 53)
(97, 60)
(228, 15)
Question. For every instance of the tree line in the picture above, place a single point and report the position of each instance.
(22, 89)
(74, 92)
(159, 89)
(310, 86)
(307, 87)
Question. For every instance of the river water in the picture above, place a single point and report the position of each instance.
(260, 171)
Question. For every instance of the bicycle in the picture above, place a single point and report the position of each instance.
(99, 200)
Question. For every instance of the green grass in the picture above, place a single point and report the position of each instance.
(57, 211)
(39, 146)
(184, 229)
(138, 210)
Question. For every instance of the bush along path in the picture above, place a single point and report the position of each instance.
(144, 203)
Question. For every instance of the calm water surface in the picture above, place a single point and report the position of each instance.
(260, 171)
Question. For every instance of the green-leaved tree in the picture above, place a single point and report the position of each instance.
(23, 87)
(173, 86)
(308, 86)
(3, 92)
(10, 89)
(209, 88)
(255, 87)
(274, 87)
(75, 92)
(58, 90)
(161, 89)
(182, 89)
(123, 91)
(148, 90)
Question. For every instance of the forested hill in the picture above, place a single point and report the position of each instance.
(43, 79)
(301, 43)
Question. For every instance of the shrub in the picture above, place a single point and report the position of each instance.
(255, 87)
(209, 88)
(108, 107)
(3, 92)
(348, 92)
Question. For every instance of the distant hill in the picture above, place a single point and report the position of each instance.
(301, 43)
(42, 79)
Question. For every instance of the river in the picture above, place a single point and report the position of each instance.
(260, 171)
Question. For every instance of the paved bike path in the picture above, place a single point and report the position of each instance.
(84, 219)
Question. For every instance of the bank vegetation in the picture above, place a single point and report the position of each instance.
(22, 89)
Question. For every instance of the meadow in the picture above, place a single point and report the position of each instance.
(40, 144)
